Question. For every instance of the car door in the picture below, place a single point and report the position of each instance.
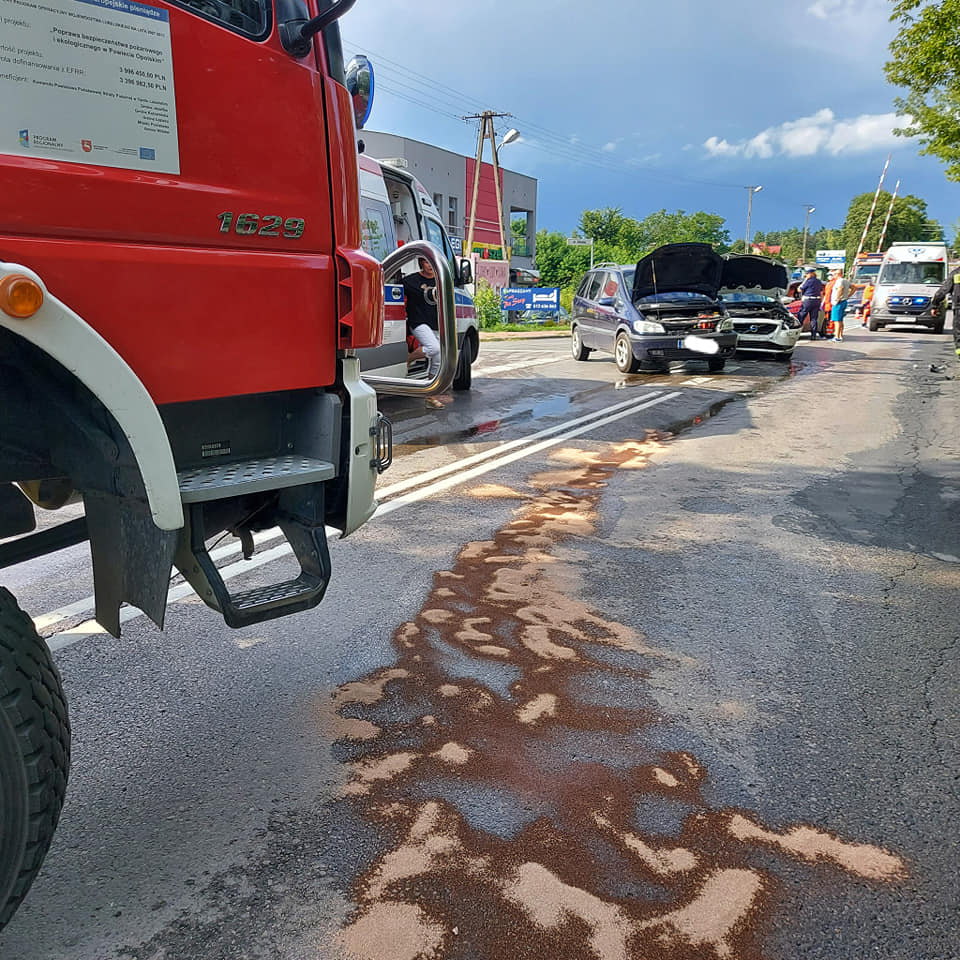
(606, 306)
(588, 320)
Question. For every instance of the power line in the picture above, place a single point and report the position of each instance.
(406, 84)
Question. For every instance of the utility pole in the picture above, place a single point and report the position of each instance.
(873, 207)
(750, 192)
(806, 230)
(486, 132)
(886, 223)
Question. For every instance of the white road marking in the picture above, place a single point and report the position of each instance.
(482, 371)
(47, 620)
(441, 485)
(67, 638)
(420, 478)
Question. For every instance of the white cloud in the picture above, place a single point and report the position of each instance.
(820, 133)
(835, 9)
(720, 148)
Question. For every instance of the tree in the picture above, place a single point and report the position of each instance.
(560, 265)
(661, 227)
(908, 221)
(486, 301)
(603, 225)
(926, 62)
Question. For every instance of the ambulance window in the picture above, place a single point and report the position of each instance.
(376, 230)
(249, 17)
(435, 236)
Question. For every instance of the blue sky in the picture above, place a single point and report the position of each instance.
(645, 105)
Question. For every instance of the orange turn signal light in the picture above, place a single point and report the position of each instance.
(20, 296)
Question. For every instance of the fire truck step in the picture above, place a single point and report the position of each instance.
(274, 595)
(301, 518)
(221, 480)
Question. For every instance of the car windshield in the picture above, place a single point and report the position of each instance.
(674, 296)
(745, 297)
(628, 279)
(867, 271)
(928, 273)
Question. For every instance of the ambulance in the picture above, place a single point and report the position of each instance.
(909, 277)
(396, 209)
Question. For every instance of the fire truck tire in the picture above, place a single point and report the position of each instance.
(463, 378)
(34, 753)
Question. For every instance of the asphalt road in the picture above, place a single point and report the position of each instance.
(626, 667)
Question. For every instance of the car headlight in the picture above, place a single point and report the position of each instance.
(647, 326)
(725, 325)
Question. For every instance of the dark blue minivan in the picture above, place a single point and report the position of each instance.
(664, 308)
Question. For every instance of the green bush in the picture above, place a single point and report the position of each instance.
(487, 303)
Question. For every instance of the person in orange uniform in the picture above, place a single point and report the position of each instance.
(826, 306)
(865, 301)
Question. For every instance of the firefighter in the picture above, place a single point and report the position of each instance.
(866, 298)
(951, 287)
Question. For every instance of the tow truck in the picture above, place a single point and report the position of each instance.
(183, 295)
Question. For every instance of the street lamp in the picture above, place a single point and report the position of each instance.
(509, 137)
(806, 229)
(750, 192)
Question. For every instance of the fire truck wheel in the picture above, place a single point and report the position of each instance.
(34, 753)
(463, 378)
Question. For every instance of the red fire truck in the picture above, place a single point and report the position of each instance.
(182, 297)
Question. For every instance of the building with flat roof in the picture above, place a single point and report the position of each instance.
(448, 177)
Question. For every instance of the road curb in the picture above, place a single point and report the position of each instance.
(523, 335)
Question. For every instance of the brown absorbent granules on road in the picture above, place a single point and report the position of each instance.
(568, 882)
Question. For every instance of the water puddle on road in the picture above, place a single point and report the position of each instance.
(527, 810)
(556, 405)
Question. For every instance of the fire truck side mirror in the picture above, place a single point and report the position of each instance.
(297, 30)
(359, 76)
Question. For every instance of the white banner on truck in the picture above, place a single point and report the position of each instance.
(88, 81)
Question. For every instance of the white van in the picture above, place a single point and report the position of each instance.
(395, 209)
(908, 279)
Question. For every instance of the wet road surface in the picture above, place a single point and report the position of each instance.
(644, 667)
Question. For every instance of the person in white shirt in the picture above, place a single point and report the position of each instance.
(839, 295)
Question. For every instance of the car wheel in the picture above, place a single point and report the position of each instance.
(873, 326)
(463, 378)
(716, 364)
(579, 351)
(34, 753)
(623, 355)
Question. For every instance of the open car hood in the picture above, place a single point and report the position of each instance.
(679, 268)
(743, 271)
